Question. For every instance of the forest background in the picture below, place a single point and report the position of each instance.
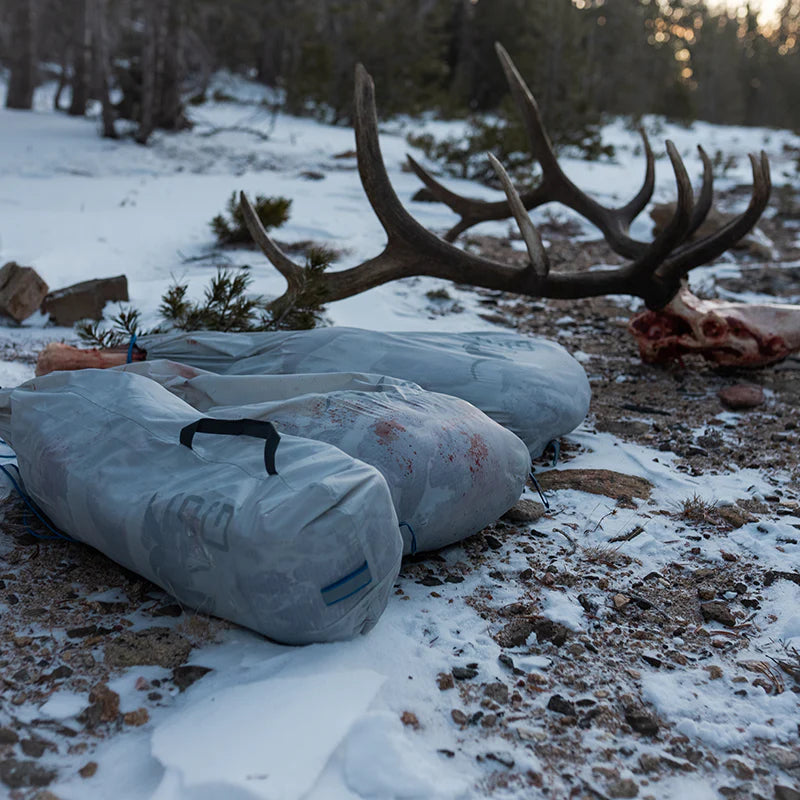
(144, 61)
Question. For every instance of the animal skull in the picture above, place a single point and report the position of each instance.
(729, 334)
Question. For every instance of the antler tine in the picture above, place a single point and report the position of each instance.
(634, 207)
(612, 222)
(533, 242)
(555, 186)
(707, 249)
(703, 204)
(294, 273)
(470, 210)
(646, 266)
(399, 225)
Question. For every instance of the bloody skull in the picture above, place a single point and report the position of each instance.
(729, 334)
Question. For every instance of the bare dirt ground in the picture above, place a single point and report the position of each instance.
(67, 611)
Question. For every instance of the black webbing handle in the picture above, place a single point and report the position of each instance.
(260, 429)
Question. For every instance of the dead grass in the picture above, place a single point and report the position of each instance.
(605, 554)
(696, 509)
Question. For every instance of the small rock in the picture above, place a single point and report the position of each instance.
(620, 601)
(409, 719)
(734, 516)
(444, 680)
(103, 706)
(706, 592)
(160, 646)
(589, 605)
(785, 759)
(492, 541)
(515, 633)
(85, 300)
(506, 661)
(459, 717)
(717, 611)
(35, 747)
(714, 672)
(641, 720)
(739, 769)
(786, 793)
(88, 769)
(549, 631)
(8, 736)
(464, 673)
(576, 649)
(623, 787)
(87, 630)
(183, 677)
(649, 762)
(136, 718)
(561, 705)
(524, 510)
(497, 691)
(741, 396)
(17, 774)
(609, 773)
(21, 291)
(60, 673)
(431, 580)
(502, 757)
(772, 575)
(489, 721)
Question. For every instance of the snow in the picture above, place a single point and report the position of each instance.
(564, 609)
(61, 705)
(703, 710)
(266, 739)
(324, 721)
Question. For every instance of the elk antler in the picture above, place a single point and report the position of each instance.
(654, 274)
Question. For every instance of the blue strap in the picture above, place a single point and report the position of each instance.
(556, 445)
(28, 502)
(539, 489)
(130, 348)
(413, 537)
(347, 586)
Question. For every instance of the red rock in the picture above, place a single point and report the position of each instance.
(741, 396)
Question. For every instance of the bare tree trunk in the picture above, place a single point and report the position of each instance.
(100, 46)
(80, 64)
(170, 113)
(23, 56)
(149, 67)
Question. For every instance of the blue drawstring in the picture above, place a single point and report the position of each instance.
(413, 537)
(130, 348)
(556, 445)
(28, 502)
(539, 489)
